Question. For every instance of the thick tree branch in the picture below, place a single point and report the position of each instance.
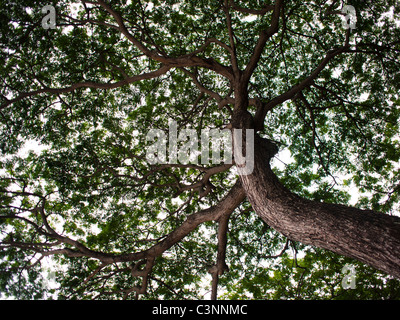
(220, 267)
(183, 61)
(291, 93)
(234, 197)
(234, 61)
(262, 40)
(315, 137)
(187, 60)
(150, 75)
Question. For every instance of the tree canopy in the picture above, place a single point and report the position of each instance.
(81, 204)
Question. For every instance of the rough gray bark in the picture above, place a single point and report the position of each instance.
(368, 236)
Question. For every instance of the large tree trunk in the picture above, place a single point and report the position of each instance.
(368, 236)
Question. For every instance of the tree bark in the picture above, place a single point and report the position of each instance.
(368, 236)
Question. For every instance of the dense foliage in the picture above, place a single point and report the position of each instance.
(74, 120)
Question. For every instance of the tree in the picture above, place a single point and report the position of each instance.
(85, 83)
